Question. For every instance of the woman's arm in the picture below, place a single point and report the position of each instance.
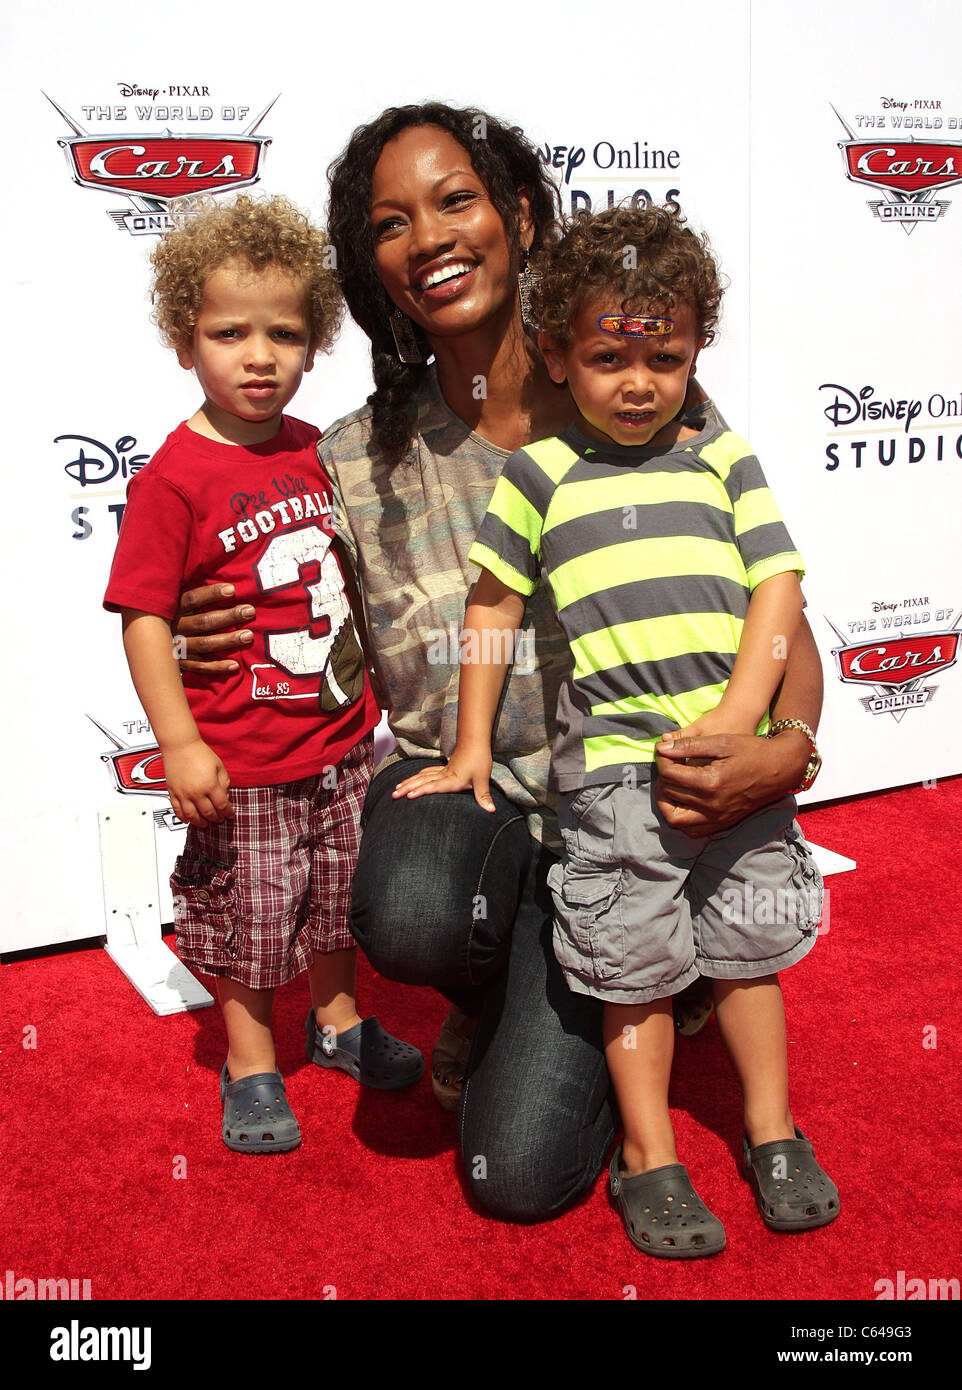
(744, 773)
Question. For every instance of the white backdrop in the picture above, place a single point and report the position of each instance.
(725, 107)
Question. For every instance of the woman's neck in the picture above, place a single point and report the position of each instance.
(495, 380)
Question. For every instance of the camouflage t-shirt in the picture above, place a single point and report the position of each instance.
(410, 527)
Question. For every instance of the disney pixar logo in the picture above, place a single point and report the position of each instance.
(153, 170)
(908, 172)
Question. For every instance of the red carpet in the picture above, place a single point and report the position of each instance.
(113, 1103)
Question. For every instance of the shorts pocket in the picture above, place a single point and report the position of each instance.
(806, 882)
(589, 922)
(203, 894)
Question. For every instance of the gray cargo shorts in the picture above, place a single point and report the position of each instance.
(641, 909)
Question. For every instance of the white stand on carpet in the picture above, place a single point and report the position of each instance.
(132, 911)
(829, 862)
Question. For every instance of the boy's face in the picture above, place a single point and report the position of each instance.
(627, 389)
(251, 346)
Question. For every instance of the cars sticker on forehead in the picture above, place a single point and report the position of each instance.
(636, 326)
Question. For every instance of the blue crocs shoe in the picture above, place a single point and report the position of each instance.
(367, 1052)
(257, 1117)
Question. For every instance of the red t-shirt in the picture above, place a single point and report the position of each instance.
(202, 512)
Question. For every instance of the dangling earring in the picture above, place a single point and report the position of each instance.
(527, 279)
(405, 342)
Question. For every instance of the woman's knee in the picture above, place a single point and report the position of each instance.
(531, 1186)
(533, 1140)
(437, 885)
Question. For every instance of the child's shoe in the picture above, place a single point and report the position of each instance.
(257, 1117)
(692, 1008)
(663, 1214)
(367, 1052)
(450, 1058)
(792, 1191)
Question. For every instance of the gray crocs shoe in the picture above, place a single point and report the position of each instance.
(792, 1191)
(367, 1052)
(257, 1117)
(663, 1214)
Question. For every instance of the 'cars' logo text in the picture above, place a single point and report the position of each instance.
(907, 172)
(153, 170)
(895, 667)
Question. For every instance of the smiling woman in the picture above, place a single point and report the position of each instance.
(432, 211)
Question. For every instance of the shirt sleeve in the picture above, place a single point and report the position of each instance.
(762, 537)
(152, 549)
(509, 541)
(339, 514)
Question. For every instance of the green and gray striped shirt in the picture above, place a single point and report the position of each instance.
(651, 555)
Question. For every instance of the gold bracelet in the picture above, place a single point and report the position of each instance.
(814, 762)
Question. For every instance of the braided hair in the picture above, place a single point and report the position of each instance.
(504, 161)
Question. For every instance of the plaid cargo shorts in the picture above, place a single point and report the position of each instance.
(256, 897)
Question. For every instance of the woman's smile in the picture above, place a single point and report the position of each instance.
(440, 282)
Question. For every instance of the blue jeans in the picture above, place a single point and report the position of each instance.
(448, 895)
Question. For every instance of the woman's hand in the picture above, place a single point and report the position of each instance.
(707, 784)
(197, 784)
(202, 637)
(720, 720)
(464, 771)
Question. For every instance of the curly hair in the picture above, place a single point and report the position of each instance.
(646, 258)
(264, 232)
(505, 162)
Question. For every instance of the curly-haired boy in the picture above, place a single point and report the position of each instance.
(271, 767)
(677, 586)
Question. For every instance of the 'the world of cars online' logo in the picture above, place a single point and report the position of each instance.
(138, 769)
(901, 154)
(893, 655)
(152, 170)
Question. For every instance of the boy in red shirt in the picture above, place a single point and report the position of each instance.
(270, 767)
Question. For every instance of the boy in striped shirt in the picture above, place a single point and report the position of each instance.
(677, 586)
